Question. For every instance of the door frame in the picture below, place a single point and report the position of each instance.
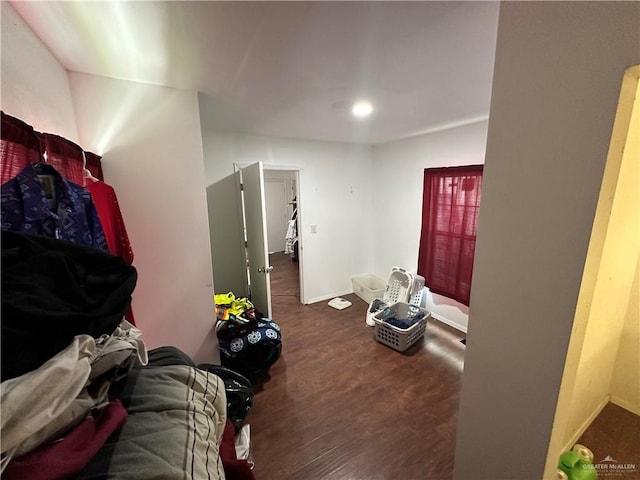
(297, 171)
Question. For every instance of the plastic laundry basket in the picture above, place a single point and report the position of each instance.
(368, 287)
(402, 286)
(399, 286)
(395, 337)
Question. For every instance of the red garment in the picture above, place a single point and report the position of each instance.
(65, 458)
(234, 469)
(106, 202)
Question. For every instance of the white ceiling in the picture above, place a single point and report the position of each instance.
(290, 69)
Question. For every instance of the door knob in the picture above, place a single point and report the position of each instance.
(269, 269)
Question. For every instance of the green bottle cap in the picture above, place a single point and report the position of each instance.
(586, 455)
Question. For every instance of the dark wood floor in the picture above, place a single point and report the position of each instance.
(339, 405)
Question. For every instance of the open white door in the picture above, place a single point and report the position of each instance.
(228, 255)
(256, 233)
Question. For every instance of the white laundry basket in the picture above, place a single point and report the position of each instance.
(395, 337)
(399, 286)
(403, 286)
(418, 290)
(368, 287)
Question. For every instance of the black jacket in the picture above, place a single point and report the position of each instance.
(53, 290)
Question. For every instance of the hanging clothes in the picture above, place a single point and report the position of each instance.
(115, 232)
(291, 237)
(38, 201)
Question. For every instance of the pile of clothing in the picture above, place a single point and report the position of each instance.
(249, 342)
(64, 341)
(404, 323)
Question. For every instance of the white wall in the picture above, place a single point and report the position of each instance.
(152, 156)
(557, 76)
(334, 195)
(149, 137)
(625, 382)
(35, 87)
(397, 177)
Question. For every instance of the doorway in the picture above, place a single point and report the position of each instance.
(239, 234)
(281, 200)
(601, 367)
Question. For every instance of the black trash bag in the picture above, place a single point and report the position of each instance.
(251, 348)
(239, 392)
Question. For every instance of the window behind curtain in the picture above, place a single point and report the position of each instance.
(19, 147)
(451, 201)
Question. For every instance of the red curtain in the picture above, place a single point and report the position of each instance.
(65, 156)
(94, 165)
(20, 146)
(451, 202)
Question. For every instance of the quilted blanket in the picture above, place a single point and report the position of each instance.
(177, 415)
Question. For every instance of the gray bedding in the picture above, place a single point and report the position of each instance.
(177, 415)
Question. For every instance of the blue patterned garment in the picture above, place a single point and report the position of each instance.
(68, 214)
(266, 331)
(251, 349)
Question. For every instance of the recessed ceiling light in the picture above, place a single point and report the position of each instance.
(362, 109)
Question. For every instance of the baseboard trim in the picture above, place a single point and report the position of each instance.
(329, 297)
(583, 427)
(446, 321)
(635, 409)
